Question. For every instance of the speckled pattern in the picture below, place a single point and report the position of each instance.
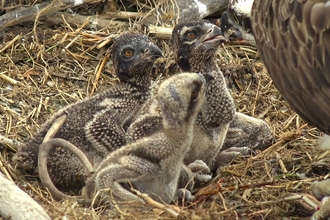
(152, 164)
(95, 125)
(244, 131)
(218, 109)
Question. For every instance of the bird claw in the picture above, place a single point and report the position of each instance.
(321, 190)
(203, 178)
(226, 156)
(239, 150)
(184, 194)
(324, 211)
(201, 171)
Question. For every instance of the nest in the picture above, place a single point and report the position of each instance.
(56, 60)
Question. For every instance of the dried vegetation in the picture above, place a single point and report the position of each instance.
(47, 65)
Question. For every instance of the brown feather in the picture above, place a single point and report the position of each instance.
(295, 46)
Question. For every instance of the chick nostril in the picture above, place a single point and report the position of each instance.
(146, 50)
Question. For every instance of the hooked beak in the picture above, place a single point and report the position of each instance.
(208, 78)
(152, 52)
(214, 37)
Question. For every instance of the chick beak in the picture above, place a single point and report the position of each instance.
(208, 77)
(214, 36)
(152, 52)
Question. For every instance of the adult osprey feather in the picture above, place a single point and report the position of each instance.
(293, 38)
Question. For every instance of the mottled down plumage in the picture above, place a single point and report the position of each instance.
(152, 164)
(96, 125)
(218, 109)
(244, 132)
(194, 46)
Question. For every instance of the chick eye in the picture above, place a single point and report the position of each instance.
(191, 35)
(128, 53)
(194, 94)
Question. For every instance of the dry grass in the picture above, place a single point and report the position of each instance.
(45, 68)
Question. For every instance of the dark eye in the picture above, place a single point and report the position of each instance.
(194, 94)
(191, 35)
(128, 52)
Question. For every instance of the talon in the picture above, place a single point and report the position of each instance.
(185, 195)
(203, 178)
(228, 155)
(321, 189)
(198, 166)
(200, 170)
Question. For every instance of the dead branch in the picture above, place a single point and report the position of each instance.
(96, 22)
(16, 204)
(124, 15)
(21, 15)
(162, 33)
(30, 13)
(12, 143)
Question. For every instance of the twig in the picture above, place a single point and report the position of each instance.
(150, 201)
(256, 99)
(262, 114)
(5, 171)
(269, 149)
(162, 33)
(257, 214)
(107, 40)
(280, 161)
(13, 143)
(10, 43)
(71, 42)
(216, 187)
(46, 200)
(288, 198)
(39, 107)
(124, 15)
(10, 80)
(67, 24)
(99, 69)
